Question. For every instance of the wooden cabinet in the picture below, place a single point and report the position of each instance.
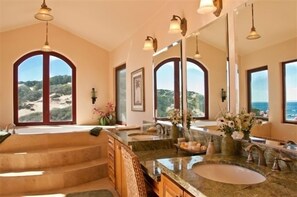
(169, 188)
(119, 170)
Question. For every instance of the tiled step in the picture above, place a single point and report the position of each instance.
(52, 178)
(45, 158)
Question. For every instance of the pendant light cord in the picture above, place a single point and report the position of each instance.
(253, 26)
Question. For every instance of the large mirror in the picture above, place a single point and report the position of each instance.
(261, 64)
(167, 79)
(207, 68)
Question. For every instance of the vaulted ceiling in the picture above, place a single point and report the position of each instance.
(106, 23)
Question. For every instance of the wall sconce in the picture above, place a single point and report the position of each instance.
(223, 94)
(94, 95)
(44, 13)
(150, 43)
(207, 6)
(177, 26)
(253, 35)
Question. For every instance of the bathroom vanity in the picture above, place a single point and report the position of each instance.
(172, 173)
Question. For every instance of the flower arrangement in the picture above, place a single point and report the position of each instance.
(227, 123)
(247, 121)
(189, 119)
(243, 122)
(174, 116)
(106, 117)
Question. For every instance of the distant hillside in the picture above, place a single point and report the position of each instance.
(30, 99)
(166, 102)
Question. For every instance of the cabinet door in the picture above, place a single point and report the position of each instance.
(169, 188)
(121, 186)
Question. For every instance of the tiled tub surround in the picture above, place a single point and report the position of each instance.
(178, 166)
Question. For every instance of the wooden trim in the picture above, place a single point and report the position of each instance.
(249, 93)
(284, 99)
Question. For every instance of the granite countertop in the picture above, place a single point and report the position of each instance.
(283, 183)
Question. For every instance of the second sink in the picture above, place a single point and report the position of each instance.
(226, 173)
(143, 136)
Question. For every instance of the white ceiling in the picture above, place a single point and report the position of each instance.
(106, 23)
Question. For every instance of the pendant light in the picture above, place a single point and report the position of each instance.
(197, 54)
(46, 47)
(253, 35)
(44, 13)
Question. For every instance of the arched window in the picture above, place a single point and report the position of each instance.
(44, 89)
(168, 85)
(197, 89)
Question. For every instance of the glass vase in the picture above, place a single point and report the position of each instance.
(174, 133)
(227, 145)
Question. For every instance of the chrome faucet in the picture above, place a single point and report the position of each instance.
(261, 159)
(162, 128)
(12, 126)
(287, 160)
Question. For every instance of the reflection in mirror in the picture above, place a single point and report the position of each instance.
(276, 22)
(167, 80)
(207, 72)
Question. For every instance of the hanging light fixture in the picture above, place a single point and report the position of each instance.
(46, 47)
(253, 35)
(197, 54)
(44, 13)
(178, 25)
(150, 43)
(207, 6)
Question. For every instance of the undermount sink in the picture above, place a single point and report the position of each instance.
(143, 136)
(226, 173)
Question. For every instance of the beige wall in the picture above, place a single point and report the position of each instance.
(92, 66)
(272, 57)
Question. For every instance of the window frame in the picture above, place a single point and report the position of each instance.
(206, 88)
(46, 88)
(177, 71)
(249, 94)
(117, 69)
(284, 91)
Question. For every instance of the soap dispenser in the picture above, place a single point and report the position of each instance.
(211, 148)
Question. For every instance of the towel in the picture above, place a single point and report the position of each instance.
(3, 136)
(95, 131)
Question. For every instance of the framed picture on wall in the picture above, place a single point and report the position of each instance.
(137, 90)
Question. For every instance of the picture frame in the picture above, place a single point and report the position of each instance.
(137, 90)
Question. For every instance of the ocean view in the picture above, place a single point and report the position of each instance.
(291, 112)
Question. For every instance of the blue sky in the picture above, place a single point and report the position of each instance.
(260, 86)
(291, 81)
(31, 69)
